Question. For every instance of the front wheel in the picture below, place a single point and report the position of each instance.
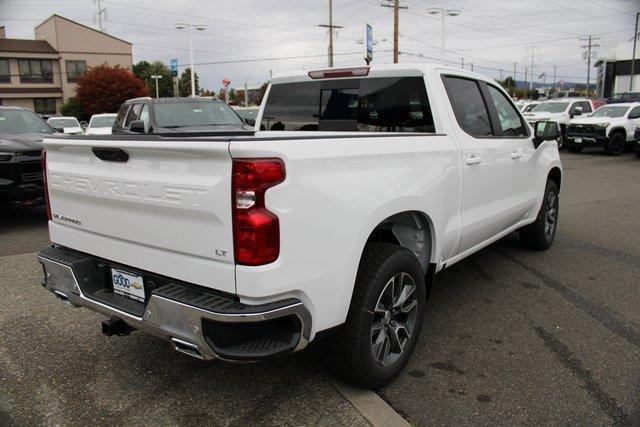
(615, 147)
(384, 319)
(540, 235)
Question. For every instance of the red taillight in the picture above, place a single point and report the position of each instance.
(256, 230)
(43, 158)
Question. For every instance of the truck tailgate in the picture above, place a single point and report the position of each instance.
(166, 209)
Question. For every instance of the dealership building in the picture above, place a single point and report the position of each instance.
(614, 70)
(41, 74)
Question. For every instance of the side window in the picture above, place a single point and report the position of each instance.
(133, 114)
(468, 106)
(122, 113)
(634, 113)
(586, 106)
(144, 116)
(510, 122)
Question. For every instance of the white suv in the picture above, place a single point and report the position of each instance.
(610, 127)
(560, 111)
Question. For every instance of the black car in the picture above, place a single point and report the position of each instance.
(636, 146)
(618, 98)
(166, 116)
(21, 134)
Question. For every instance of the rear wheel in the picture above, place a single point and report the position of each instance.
(540, 235)
(384, 319)
(615, 147)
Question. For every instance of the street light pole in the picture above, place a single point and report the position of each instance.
(199, 27)
(156, 77)
(443, 12)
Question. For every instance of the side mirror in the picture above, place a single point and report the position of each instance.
(545, 131)
(250, 122)
(577, 111)
(137, 126)
(59, 129)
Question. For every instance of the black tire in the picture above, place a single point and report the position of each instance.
(616, 144)
(350, 350)
(538, 236)
(574, 149)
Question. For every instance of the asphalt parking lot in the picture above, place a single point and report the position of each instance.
(510, 337)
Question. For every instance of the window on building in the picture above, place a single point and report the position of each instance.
(75, 69)
(44, 105)
(35, 71)
(5, 74)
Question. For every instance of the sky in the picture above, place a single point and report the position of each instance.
(246, 40)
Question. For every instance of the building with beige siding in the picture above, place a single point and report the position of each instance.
(41, 74)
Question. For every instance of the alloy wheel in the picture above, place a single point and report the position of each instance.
(394, 319)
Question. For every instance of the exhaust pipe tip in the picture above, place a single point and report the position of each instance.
(115, 326)
(186, 348)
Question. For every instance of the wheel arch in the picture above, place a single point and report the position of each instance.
(555, 175)
(618, 129)
(411, 229)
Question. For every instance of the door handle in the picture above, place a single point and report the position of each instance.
(473, 160)
(515, 155)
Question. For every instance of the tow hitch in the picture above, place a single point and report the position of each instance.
(115, 326)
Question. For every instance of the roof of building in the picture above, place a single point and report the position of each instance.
(82, 25)
(22, 45)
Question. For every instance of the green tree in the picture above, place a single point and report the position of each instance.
(232, 95)
(184, 84)
(73, 108)
(165, 84)
(140, 68)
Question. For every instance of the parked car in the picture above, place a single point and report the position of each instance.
(21, 134)
(617, 98)
(334, 234)
(611, 127)
(560, 111)
(248, 114)
(526, 106)
(101, 124)
(564, 94)
(176, 115)
(68, 125)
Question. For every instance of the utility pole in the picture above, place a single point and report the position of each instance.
(330, 26)
(633, 55)
(462, 61)
(589, 47)
(395, 4)
(514, 79)
(156, 77)
(533, 57)
(554, 76)
(471, 63)
(500, 74)
(525, 79)
(100, 15)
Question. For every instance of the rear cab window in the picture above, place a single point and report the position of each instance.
(387, 104)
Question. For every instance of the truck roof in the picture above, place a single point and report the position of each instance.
(378, 70)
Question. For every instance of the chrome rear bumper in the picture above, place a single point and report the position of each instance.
(178, 321)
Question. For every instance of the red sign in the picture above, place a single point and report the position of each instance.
(226, 82)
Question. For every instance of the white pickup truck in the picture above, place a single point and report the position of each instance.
(330, 223)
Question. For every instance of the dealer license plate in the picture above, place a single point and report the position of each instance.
(577, 140)
(127, 284)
